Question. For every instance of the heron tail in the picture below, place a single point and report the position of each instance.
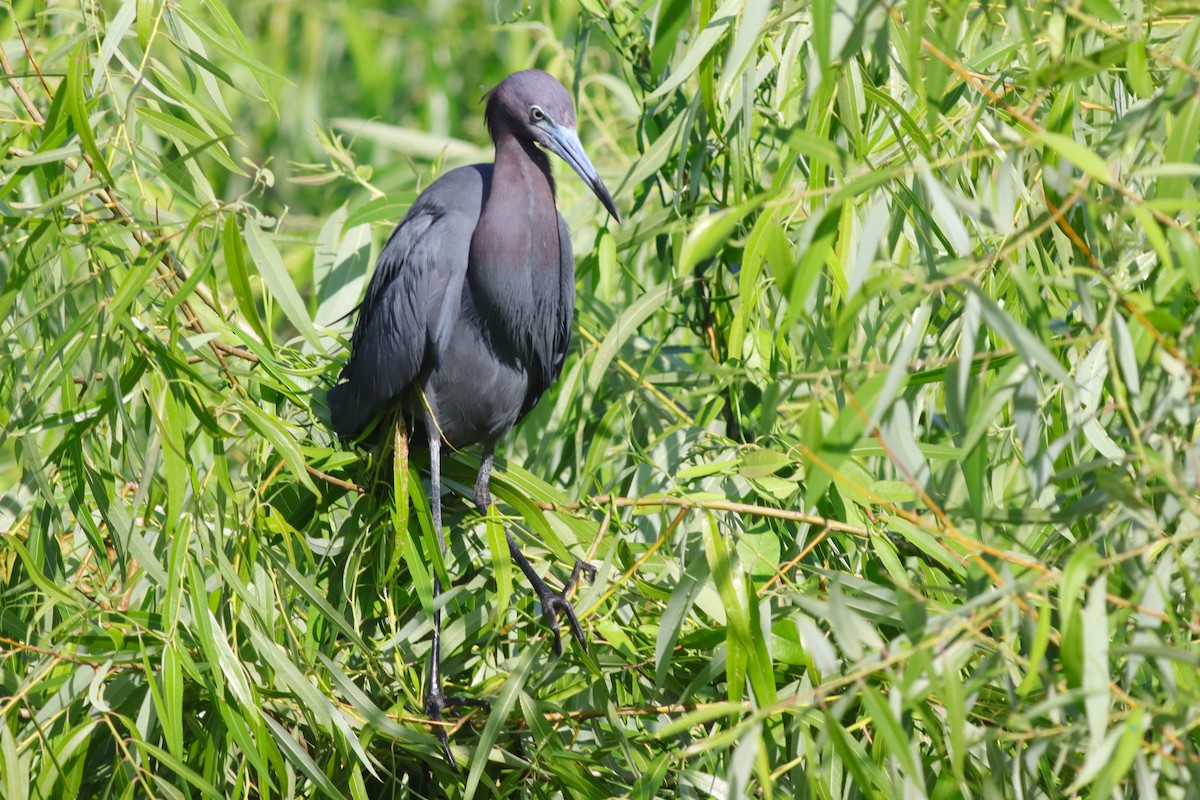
(346, 414)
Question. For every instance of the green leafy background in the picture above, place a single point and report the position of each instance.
(880, 422)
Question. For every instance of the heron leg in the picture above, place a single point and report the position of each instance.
(483, 481)
(581, 568)
(554, 604)
(437, 700)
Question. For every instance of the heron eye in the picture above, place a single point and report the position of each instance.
(537, 114)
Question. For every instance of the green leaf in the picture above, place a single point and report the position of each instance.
(285, 445)
(1086, 160)
(301, 759)
(184, 131)
(419, 562)
(501, 562)
(710, 233)
(76, 103)
(626, 326)
(277, 281)
(502, 706)
(239, 279)
(722, 18)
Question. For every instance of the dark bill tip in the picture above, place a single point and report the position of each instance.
(565, 143)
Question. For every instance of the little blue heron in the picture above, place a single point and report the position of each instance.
(466, 322)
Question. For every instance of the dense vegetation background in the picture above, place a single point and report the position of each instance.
(880, 422)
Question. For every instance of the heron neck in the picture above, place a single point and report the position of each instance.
(524, 167)
(516, 261)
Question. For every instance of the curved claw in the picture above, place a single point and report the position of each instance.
(581, 568)
(554, 604)
(435, 704)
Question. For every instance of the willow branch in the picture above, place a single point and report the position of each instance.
(732, 507)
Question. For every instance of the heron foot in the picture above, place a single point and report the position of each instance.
(556, 604)
(437, 702)
(581, 568)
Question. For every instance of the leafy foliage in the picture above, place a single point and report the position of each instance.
(880, 425)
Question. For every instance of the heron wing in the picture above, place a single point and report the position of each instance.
(412, 302)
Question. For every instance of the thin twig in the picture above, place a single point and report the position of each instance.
(319, 475)
(26, 101)
(748, 509)
(324, 476)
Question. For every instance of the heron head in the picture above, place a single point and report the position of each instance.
(533, 105)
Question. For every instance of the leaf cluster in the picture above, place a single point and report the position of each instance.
(880, 423)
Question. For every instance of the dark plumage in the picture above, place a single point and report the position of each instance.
(467, 319)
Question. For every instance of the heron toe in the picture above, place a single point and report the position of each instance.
(437, 702)
(556, 604)
(581, 568)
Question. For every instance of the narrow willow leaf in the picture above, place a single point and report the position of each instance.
(182, 130)
(69, 749)
(838, 442)
(502, 706)
(1021, 338)
(627, 324)
(181, 769)
(854, 756)
(419, 569)
(1041, 641)
(1095, 662)
(710, 233)
(76, 103)
(722, 18)
(1125, 354)
(501, 562)
(389, 208)
(897, 374)
(946, 215)
(745, 43)
(1181, 148)
(741, 761)
(15, 767)
(1127, 749)
(727, 575)
(364, 705)
(239, 279)
(300, 758)
(891, 732)
(1087, 160)
(656, 154)
(118, 26)
(760, 462)
(284, 443)
(340, 269)
(669, 20)
(174, 438)
(671, 623)
(145, 21)
(278, 282)
(701, 716)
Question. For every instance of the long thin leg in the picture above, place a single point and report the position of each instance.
(483, 481)
(553, 603)
(437, 701)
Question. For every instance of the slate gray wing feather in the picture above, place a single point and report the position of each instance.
(412, 302)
